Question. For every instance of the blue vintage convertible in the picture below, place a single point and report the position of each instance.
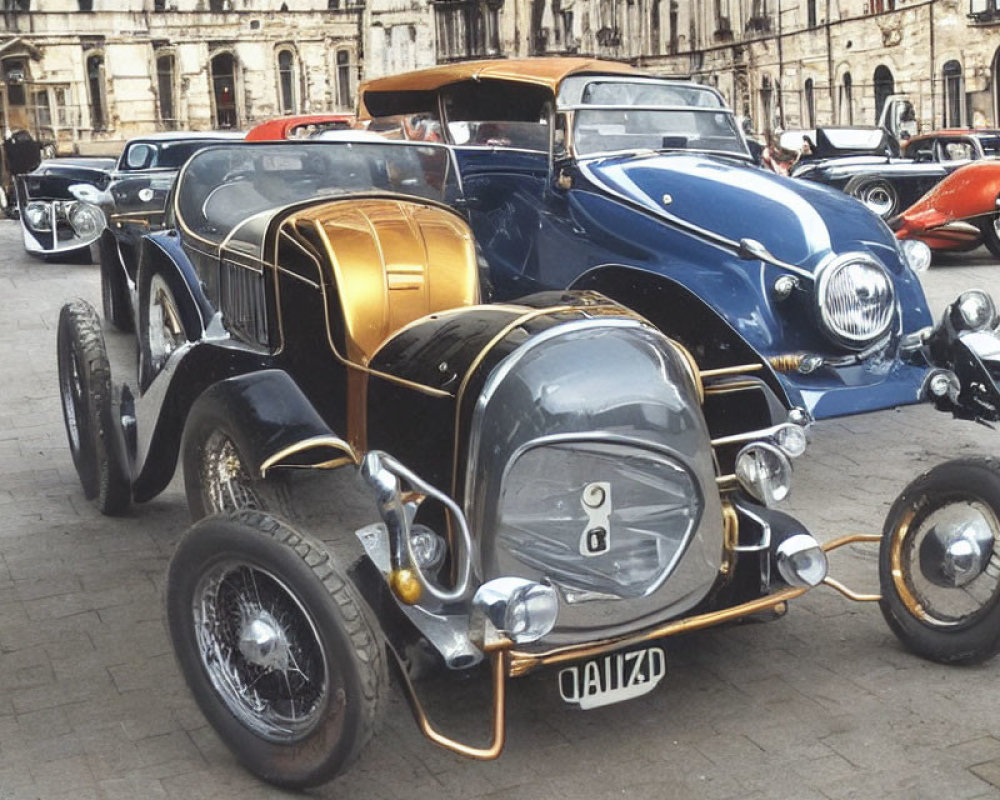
(591, 175)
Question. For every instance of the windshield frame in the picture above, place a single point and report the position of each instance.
(177, 217)
(569, 103)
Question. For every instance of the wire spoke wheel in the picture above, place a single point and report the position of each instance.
(279, 650)
(225, 484)
(261, 651)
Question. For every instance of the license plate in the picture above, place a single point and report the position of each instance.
(613, 678)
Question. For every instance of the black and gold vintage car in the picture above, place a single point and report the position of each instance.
(547, 483)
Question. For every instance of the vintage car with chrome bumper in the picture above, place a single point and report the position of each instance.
(56, 219)
(388, 474)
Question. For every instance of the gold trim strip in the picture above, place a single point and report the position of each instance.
(730, 537)
(499, 682)
(737, 370)
(728, 388)
(851, 539)
(522, 663)
(309, 444)
(849, 594)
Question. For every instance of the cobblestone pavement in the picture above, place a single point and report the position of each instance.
(820, 704)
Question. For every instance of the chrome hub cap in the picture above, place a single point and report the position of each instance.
(225, 484)
(947, 568)
(260, 650)
(263, 642)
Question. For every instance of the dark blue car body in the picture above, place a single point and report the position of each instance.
(694, 237)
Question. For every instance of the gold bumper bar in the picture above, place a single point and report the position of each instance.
(514, 663)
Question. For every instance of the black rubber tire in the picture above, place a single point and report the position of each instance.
(990, 236)
(88, 409)
(355, 660)
(967, 642)
(209, 417)
(114, 291)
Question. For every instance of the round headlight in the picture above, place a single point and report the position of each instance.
(37, 216)
(764, 472)
(973, 311)
(87, 220)
(916, 254)
(856, 301)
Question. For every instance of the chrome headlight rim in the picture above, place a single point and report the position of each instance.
(837, 333)
(37, 216)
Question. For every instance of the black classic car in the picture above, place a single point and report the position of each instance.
(53, 203)
(551, 482)
(133, 204)
(886, 178)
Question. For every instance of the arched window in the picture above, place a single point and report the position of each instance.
(810, 104)
(96, 92)
(286, 81)
(224, 91)
(954, 95)
(846, 105)
(166, 90)
(885, 86)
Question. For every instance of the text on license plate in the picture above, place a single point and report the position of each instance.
(613, 678)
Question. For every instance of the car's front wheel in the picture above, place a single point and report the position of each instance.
(990, 227)
(939, 566)
(276, 647)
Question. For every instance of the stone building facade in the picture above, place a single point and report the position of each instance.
(88, 72)
(783, 63)
(95, 72)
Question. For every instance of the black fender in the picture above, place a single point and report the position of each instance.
(156, 257)
(682, 315)
(279, 425)
(160, 414)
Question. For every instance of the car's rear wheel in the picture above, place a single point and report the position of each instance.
(114, 290)
(878, 195)
(276, 647)
(85, 394)
(939, 565)
(990, 226)
(219, 477)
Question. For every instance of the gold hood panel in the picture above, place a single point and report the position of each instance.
(393, 262)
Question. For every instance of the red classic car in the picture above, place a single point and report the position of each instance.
(959, 213)
(298, 127)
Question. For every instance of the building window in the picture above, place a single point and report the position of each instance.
(286, 82)
(467, 28)
(224, 91)
(43, 112)
(846, 105)
(885, 86)
(165, 89)
(810, 104)
(811, 19)
(86, 5)
(984, 10)
(344, 99)
(760, 20)
(672, 47)
(954, 94)
(15, 72)
(723, 24)
(62, 107)
(96, 91)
